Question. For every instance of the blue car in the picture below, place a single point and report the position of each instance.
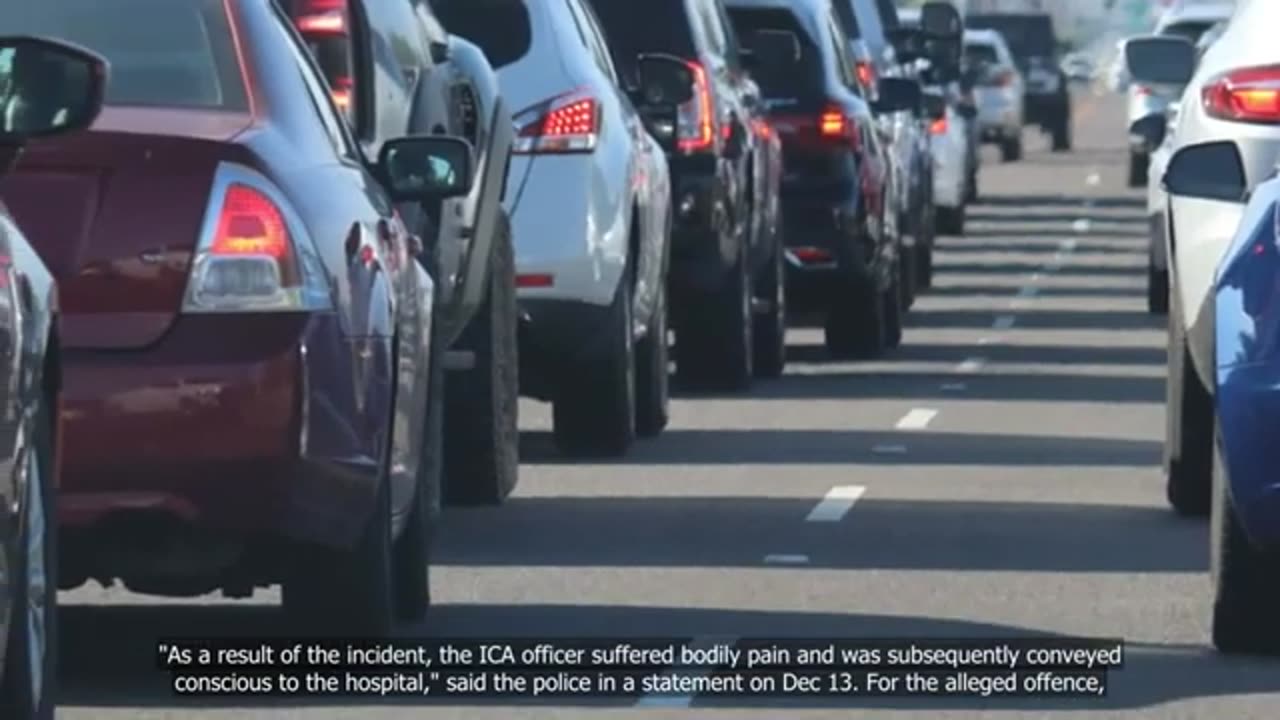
(1245, 516)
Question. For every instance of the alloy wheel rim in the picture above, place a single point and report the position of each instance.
(37, 577)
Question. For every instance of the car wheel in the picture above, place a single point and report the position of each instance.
(30, 671)
(715, 349)
(351, 591)
(1246, 589)
(894, 308)
(412, 551)
(1138, 164)
(855, 325)
(951, 220)
(770, 332)
(1011, 149)
(924, 266)
(1062, 132)
(971, 193)
(1189, 424)
(594, 415)
(1157, 289)
(907, 275)
(482, 461)
(653, 386)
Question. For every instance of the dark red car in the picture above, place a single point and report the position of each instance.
(246, 333)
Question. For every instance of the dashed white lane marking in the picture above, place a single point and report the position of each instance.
(1037, 276)
(786, 559)
(1004, 322)
(972, 365)
(917, 419)
(1081, 225)
(1093, 179)
(838, 501)
(955, 387)
(987, 341)
(701, 643)
(1028, 292)
(1068, 245)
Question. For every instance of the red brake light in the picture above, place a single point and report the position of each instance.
(567, 124)
(695, 118)
(250, 224)
(939, 126)
(1141, 90)
(866, 74)
(1250, 95)
(342, 89)
(327, 17)
(832, 123)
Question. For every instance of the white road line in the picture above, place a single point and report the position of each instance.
(1093, 179)
(917, 419)
(987, 341)
(972, 365)
(785, 559)
(838, 501)
(889, 449)
(1037, 276)
(1028, 292)
(955, 387)
(1068, 245)
(1004, 322)
(700, 643)
(1081, 225)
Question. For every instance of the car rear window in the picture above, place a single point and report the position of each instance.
(981, 53)
(633, 27)
(163, 53)
(797, 77)
(500, 28)
(1191, 30)
(1027, 35)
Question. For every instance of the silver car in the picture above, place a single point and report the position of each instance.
(998, 91)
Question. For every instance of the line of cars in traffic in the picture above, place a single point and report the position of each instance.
(1215, 228)
(308, 253)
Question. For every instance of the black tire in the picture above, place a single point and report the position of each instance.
(907, 275)
(594, 415)
(924, 266)
(412, 551)
(951, 220)
(1062, 131)
(19, 697)
(1188, 431)
(348, 591)
(894, 308)
(971, 192)
(481, 429)
(1011, 149)
(1246, 587)
(1138, 165)
(769, 335)
(715, 349)
(1157, 289)
(653, 382)
(855, 325)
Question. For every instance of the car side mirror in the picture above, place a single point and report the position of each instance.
(50, 88)
(1160, 60)
(908, 43)
(1148, 132)
(664, 80)
(898, 95)
(968, 111)
(423, 168)
(935, 106)
(439, 52)
(1207, 171)
(941, 20)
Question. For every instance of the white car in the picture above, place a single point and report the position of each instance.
(1232, 95)
(589, 196)
(998, 92)
(1189, 22)
(949, 145)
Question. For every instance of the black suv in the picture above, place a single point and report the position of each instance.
(1035, 48)
(726, 250)
(396, 71)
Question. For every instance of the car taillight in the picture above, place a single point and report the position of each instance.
(939, 126)
(866, 74)
(826, 130)
(343, 87)
(1141, 90)
(695, 121)
(1250, 95)
(565, 124)
(253, 257)
(834, 124)
(322, 17)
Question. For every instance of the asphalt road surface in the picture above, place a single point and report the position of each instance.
(1003, 468)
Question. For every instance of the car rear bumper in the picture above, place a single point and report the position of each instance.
(556, 338)
(1045, 108)
(244, 427)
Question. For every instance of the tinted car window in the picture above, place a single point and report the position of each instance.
(981, 54)
(782, 77)
(163, 53)
(888, 14)
(501, 28)
(649, 26)
(1189, 30)
(848, 21)
(1027, 35)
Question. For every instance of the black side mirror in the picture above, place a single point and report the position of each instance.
(935, 106)
(908, 43)
(422, 168)
(899, 95)
(439, 52)
(968, 111)
(1147, 133)
(941, 20)
(47, 88)
(1160, 60)
(946, 58)
(663, 84)
(1207, 171)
